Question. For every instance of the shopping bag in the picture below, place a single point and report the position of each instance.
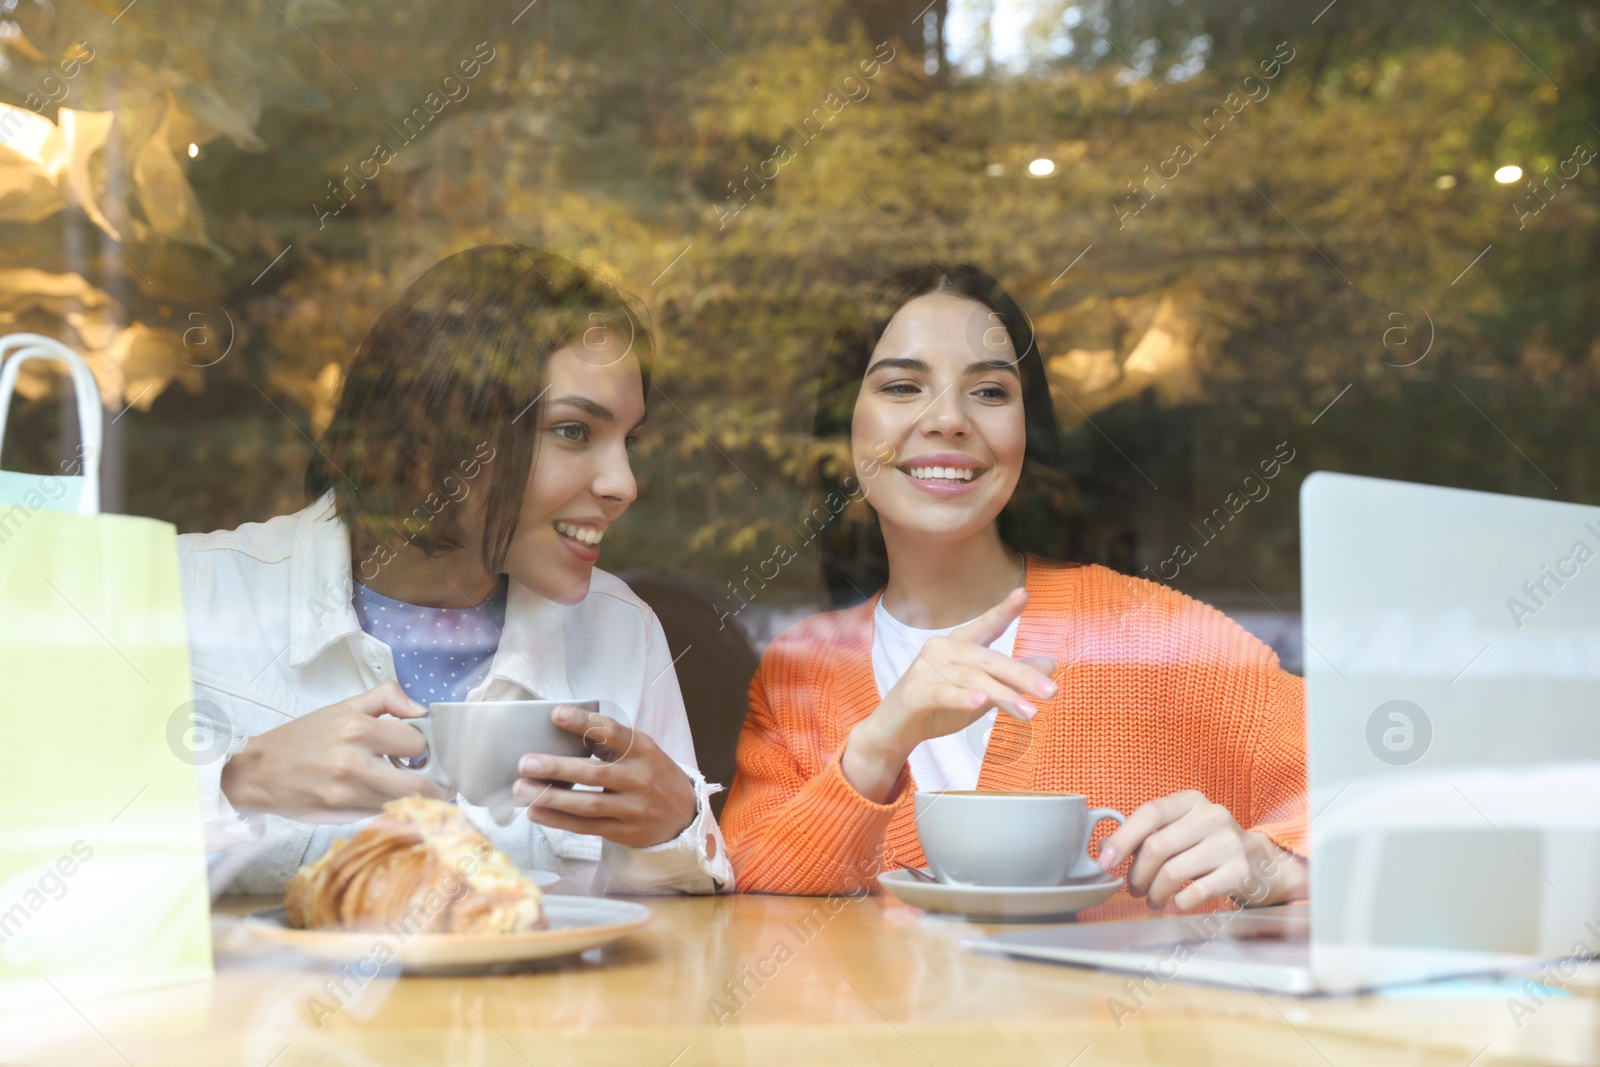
(102, 866)
(75, 484)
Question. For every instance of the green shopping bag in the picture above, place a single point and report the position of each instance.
(102, 866)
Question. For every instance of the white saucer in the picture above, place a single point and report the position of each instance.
(543, 879)
(576, 924)
(987, 903)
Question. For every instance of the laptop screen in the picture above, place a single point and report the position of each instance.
(1452, 660)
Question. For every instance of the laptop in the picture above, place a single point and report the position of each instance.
(1452, 664)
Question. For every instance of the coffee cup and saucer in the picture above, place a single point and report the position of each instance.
(1005, 856)
(474, 747)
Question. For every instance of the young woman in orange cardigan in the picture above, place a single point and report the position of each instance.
(1115, 687)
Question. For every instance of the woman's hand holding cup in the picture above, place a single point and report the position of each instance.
(329, 766)
(642, 797)
(1190, 851)
(954, 682)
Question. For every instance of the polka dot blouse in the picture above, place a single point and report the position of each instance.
(439, 653)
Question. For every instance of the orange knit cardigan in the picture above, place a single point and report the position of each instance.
(1159, 693)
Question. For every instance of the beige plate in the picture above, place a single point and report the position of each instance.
(576, 924)
(986, 903)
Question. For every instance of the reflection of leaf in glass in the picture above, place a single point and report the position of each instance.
(1089, 370)
(327, 387)
(17, 41)
(1166, 354)
(136, 362)
(39, 154)
(164, 193)
(140, 364)
(82, 134)
(23, 135)
(19, 283)
(1170, 346)
(317, 396)
(27, 292)
(204, 106)
(27, 193)
(97, 327)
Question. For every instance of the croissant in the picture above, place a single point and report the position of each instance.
(419, 867)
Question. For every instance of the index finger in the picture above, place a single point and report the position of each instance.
(389, 737)
(986, 629)
(543, 770)
(603, 735)
(1145, 820)
(387, 698)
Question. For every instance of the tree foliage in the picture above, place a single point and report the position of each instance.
(1219, 253)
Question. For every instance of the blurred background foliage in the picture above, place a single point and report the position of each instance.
(171, 204)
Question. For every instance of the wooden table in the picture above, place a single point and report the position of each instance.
(879, 983)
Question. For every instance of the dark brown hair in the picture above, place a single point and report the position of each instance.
(447, 379)
(1037, 518)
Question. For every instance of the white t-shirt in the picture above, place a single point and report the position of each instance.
(954, 760)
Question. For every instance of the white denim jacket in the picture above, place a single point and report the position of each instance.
(273, 635)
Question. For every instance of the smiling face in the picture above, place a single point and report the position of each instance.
(581, 481)
(940, 419)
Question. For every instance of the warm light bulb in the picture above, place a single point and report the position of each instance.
(1508, 174)
(194, 150)
(1040, 167)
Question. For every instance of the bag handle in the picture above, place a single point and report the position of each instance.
(21, 347)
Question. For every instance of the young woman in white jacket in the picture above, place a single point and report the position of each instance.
(476, 457)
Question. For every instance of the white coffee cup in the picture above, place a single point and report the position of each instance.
(474, 747)
(984, 837)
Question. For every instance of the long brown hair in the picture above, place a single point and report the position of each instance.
(450, 373)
